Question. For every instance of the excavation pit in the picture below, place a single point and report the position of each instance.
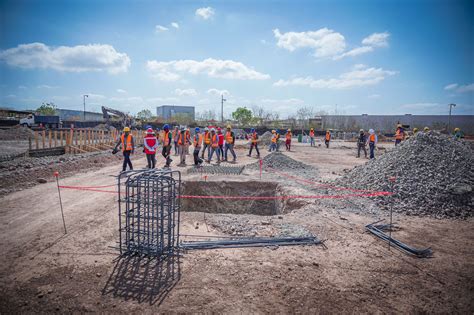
(264, 207)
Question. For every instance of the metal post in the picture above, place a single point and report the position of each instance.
(84, 101)
(449, 118)
(222, 107)
(392, 181)
(56, 174)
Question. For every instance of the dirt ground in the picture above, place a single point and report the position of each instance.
(43, 270)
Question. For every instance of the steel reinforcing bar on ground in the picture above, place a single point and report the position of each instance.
(149, 212)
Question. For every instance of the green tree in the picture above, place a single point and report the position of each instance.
(144, 115)
(47, 109)
(242, 115)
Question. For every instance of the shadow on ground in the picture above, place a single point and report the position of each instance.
(143, 279)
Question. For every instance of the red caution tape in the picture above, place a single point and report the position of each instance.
(91, 188)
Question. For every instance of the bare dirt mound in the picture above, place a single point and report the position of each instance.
(434, 176)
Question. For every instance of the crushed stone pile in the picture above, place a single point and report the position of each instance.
(282, 162)
(434, 176)
(266, 138)
(16, 133)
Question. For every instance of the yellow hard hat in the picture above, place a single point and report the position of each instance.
(456, 129)
(228, 127)
(273, 131)
(289, 129)
(312, 128)
(126, 129)
(399, 126)
(426, 129)
(415, 129)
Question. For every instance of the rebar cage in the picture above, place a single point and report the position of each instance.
(149, 212)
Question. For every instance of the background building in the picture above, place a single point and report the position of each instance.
(70, 114)
(168, 111)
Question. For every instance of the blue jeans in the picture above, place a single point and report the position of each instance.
(229, 146)
(372, 148)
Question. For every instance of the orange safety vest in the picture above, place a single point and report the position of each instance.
(181, 141)
(197, 140)
(187, 139)
(274, 138)
(126, 145)
(215, 141)
(288, 136)
(372, 138)
(228, 137)
(207, 137)
(311, 133)
(328, 136)
(254, 137)
(166, 138)
(399, 135)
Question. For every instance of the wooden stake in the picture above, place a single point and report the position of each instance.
(36, 139)
(43, 134)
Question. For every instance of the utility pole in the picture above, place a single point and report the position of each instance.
(222, 107)
(84, 101)
(449, 118)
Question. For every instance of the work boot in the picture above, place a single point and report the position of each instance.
(248, 155)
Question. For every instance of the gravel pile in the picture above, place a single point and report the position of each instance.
(16, 133)
(266, 138)
(280, 161)
(434, 176)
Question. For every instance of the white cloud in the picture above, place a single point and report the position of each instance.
(376, 40)
(359, 76)
(185, 92)
(374, 96)
(451, 86)
(420, 105)
(82, 58)
(121, 91)
(325, 42)
(214, 68)
(11, 96)
(175, 25)
(263, 41)
(161, 28)
(22, 87)
(460, 88)
(214, 91)
(162, 99)
(45, 86)
(205, 13)
(354, 52)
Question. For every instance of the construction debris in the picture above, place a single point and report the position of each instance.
(377, 230)
(212, 169)
(281, 161)
(434, 176)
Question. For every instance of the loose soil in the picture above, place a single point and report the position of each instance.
(44, 271)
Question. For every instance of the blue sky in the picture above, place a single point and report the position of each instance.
(374, 57)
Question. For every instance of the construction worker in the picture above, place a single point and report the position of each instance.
(311, 137)
(327, 139)
(399, 135)
(288, 140)
(372, 140)
(415, 130)
(150, 143)
(361, 142)
(175, 139)
(128, 147)
(457, 134)
(273, 144)
(188, 140)
(278, 140)
(182, 146)
(253, 142)
(220, 138)
(426, 129)
(167, 139)
(214, 146)
(197, 143)
(229, 143)
(206, 143)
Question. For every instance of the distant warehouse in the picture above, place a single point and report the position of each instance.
(168, 111)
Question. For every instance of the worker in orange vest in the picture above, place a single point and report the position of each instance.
(311, 137)
(288, 140)
(253, 142)
(183, 142)
(188, 140)
(150, 143)
(273, 144)
(214, 146)
(206, 146)
(372, 140)
(167, 139)
(197, 143)
(128, 147)
(328, 138)
(399, 135)
(175, 139)
(229, 143)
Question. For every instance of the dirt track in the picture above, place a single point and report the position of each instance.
(43, 271)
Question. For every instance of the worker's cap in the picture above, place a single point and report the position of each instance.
(206, 129)
(176, 127)
(415, 129)
(228, 127)
(252, 130)
(362, 130)
(312, 129)
(166, 127)
(197, 129)
(213, 129)
(149, 131)
(456, 129)
(289, 129)
(273, 131)
(126, 129)
(183, 128)
(399, 126)
(426, 129)
(371, 131)
(219, 129)
(158, 129)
